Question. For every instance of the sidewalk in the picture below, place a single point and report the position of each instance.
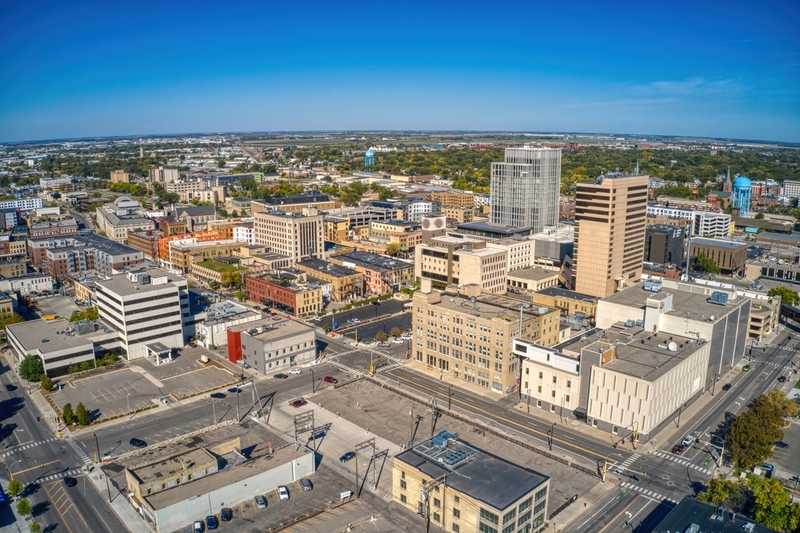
(127, 516)
(585, 507)
(19, 525)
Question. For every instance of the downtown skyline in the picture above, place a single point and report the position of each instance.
(95, 69)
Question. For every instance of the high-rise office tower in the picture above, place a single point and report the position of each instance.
(609, 235)
(525, 188)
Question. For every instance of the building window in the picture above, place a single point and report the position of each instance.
(437, 502)
(552, 408)
(539, 388)
(483, 528)
(569, 383)
(402, 484)
(403, 498)
(456, 513)
(456, 528)
(436, 517)
(555, 379)
(614, 430)
(541, 494)
(539, 404)
(567, 398)
(541, 374)
(509, 515)
(489, 516)
(456, 499)
(526, 504)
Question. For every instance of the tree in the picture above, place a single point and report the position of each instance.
(393, 249)
(24, 507)
(212, 284)
(772, 505)
(395, 331)
(36, 528)
(731, 494)
(706, 264)
(754, 432)
(31, 368)
(232, 278)
(326, 328)
(381, 336)
(240, 296)
(82, 415)
(788, 296)
(67, 414)
(46, 382)
(14, 488)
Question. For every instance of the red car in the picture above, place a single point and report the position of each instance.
(299, 403)
(677, 450)
(329, 379)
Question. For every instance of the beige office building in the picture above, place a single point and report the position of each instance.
(452, 261)
(120, 176)
(300, 236)
(454, 198)
(609, 235)
(468, 334)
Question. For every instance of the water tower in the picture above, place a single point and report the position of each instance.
(741, 195)
(369, 160)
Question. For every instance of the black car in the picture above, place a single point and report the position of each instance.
(70, 481)
(281, 376)
(138, 443)
(211, 522)
(11, 387)
(346, 457)
(783, 445)
(781, 379)
(217, 395)
(226, 515)
(234, 390)
(726, 387)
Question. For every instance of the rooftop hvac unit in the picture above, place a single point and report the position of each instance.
(718, 298)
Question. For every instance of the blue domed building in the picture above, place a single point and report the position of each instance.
(741, 195)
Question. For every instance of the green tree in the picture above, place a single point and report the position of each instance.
(326, 328)
(381, 336)
(754, 432)
(788, 296)
(706, 264)
(723, 491)
(231, 279)
(36, 528)
(772, 505)
(213, 284)
(395, 331)
(82, 415)
(24, 508)
(393, 249)
(46, 382)
(67, 414)
(240, 296)
(14, 488)
(6, 319)
(31, 368)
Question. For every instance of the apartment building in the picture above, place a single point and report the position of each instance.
(164, 175)
(146, 308)
(452, 261)
(715, 225)
(120, 176)
(54, 228)
(459, 214)
(519, 252)
(570, 302)
(464, 489)
(469, 334)
(406, 234)
(609, 235)
(12, 268)
(184, 253)
(25, 204)
(271, 346)
(791, 189)
(146, 242)
(453, 198)
(300, 236)
(69, 255)
(337, 229)
(293, 203)
(346, 284)
(382, 274)
(663, 245)
(288, 291)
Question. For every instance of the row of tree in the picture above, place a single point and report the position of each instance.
(753, 434)
(764, 500)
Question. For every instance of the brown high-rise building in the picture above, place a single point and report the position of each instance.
(609, 236)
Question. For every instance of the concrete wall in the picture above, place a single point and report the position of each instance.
(177, 516)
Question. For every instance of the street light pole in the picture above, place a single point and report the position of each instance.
(10, 473)
(129, 402)
(449, 395)
(97, 447)
(214, 408)
(313, 382)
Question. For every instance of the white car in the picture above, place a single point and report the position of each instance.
(688, 440)
(283, 493)
(295, 371)
(398, 340)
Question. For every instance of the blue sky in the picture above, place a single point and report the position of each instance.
(724, 69)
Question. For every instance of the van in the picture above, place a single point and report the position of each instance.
(306, 484)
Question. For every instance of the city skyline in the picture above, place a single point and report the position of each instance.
(93, 69)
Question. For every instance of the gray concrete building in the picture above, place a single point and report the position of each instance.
(271, 345)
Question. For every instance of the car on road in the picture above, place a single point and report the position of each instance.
(226, 514)
(218, 395)
(780, 444)
(726, 387)
(317, 318)
(138, 443)
(687, 441)
(234, 390)
(781, 379)
(261, 503)
(398, 341)
(198, 527)
(10, 387)
(355, 320)
(346, 457)
(70, 481)
(678, 449)
(306, 484)
(295, 371)
(383, 344)
(329, 379)
(281, 376)
(283, 494)
(299, 403)
(211, 522)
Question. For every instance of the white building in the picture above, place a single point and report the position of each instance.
(213, 331)
(147, 308)
(52, 183)
(23, 205)
(244, 234)
(27, 284)
(706, 224)
(164, 175)
(791, 189)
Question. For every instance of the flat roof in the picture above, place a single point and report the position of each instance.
(484, 226)
(486, 477)
(489, 306)
(270, 329)
(708, 517)
(375, 261)
(719, 243)
(329, 268)
(778, 236)
(120, 284)
(690, 305)
(533, 273)
(48, 335)
(557, 292)
(190, 245)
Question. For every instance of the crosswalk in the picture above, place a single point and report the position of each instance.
(629, 461)
(392, 361)
(75, 446)
(649, 493)
(677, 459)
(25, 446)
(71, 473)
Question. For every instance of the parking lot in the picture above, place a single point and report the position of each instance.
(368, 331)
(197, 381)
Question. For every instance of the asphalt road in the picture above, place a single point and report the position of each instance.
(364, 313)
(40, 461)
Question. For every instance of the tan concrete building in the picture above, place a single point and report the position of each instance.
(468, 334)
(764, 317)
(570, 302)
(521, 252)
(382, 274)
(609, 236)
(300, 236)
(452, 261)
(120, 176)
(13, 268)
(463, 489)
(337, 229)
(532, 279)
(460, 214)
(454, 199)
(731, 257)
(184, 253)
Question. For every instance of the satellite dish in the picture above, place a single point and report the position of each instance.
(672, 347)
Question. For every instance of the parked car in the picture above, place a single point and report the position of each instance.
(299, 403)
(261, 503)
(70, 481)
(346, 457)
(329, 379)
(211, 522)
(283, 494)
(768, 469)
(726, 387)
(281, 376)
(295, 371)
(687, 440)
(781, 445)
(217, 395)
(10, 387)
(355, 320)
(678, 449)
(226, 515)
(198, 527)
(138, 443)
(781, 379)
(306, 484)
(234, 390)
(398, 341)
